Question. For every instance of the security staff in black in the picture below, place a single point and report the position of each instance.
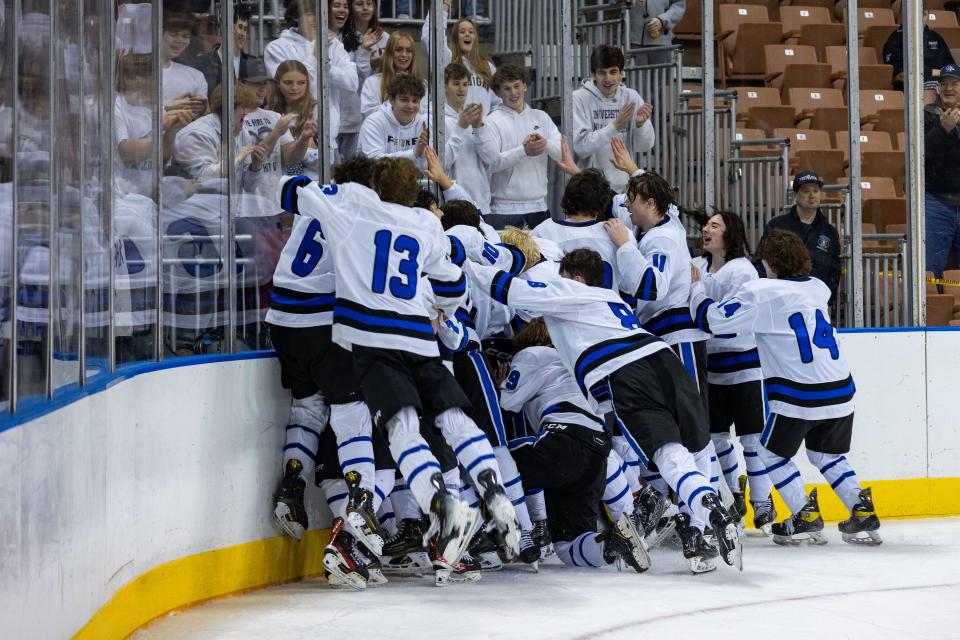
(807, 221)
(936, 55)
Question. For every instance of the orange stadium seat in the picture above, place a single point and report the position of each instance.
(872, 75)
(761, 108)
(794, 17)
(885, 163)
(806, 139)
(876, 36)
(808, 101)
(885, 211)
(743, 30)
(937, 20)
(872, 17)
(773, 7)
(826, 163)
(951, 35)
(939, 310)
(874, 101)
(821, 36)
(869, 141)
(791, 65)
(873, 187)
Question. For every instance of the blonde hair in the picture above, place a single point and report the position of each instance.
(482, 66)
(389, 70)
(534, 334)
(524, 242)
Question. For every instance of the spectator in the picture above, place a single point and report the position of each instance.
(398, 128)
(514, 144)
(463, 46)
(292, 95)
(296, 41)
(651, 25)
(463, 121)
(936, 55)
(603, 109)
(399, 59)
(807, 220)
(364, 41)
(184, 88)
(211, 64)
(942, 145)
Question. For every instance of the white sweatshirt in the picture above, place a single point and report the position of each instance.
(478, 92)
(370, 96)
(593, 130)
(350, 114)
(462, 160)
(382, 136)
(518, 182)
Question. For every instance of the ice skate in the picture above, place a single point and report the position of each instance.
(541, 537)
(695, 548)
(405, 553)
(484, 550)
(372, 563)
(649, 505)
(529, 551)
(861, 527)
(361, 520)
(467, 569)
(290, 514)
(726, 531)
(341, 560)
(622, 544)
(452, 521)
(499, 511)
(806, 526)
(738, 510)
(764, 515)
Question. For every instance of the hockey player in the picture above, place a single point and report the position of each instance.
(566, 459)
(604, 109)
(397, 129)
(627, 371)
(383, 254)
(733, 368)
(808, 385)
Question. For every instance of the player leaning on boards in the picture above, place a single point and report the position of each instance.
(808, 385)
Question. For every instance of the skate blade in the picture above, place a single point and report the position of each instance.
(377, 578)
(490, 561)
(658, 536)
(444, 575)
(702, 565)
(872, 539)
(342, 578)
(413, 564)
(546, 551)
(359, 529)
(814, 539)
(506, 527)
(639, 552)
(287, 525)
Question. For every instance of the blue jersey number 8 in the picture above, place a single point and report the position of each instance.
(627, 317)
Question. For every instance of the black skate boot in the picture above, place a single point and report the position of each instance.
(695, 548)
(764, 515)
(372, 563)
(343, 564)
(726, 531)
(289, 511)
(529, 551)
(361, 517)
(739, 507)
(863, 520)
(804, 526)
(623, 545)
(405, 553)
(484, 551)
(649, 506)
(541, 538)
(452, 522)
(498, 510)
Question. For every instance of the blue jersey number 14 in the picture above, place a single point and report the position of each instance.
(823, 337)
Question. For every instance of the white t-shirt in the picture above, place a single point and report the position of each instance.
(132, 122)
(179, 79)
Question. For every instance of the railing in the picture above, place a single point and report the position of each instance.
(658, 84)
(757, 184)
(886, 295)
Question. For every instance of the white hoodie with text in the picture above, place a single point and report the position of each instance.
(382, 135)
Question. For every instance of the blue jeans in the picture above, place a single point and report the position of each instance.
(943, 232)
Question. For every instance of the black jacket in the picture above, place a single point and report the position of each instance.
(210, 66)
(942, 162)
(823, 243)
(936, 54)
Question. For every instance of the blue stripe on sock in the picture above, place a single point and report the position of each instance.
(714, 479)
(532, 492)
(426, 465)
(307, 429)
(380, 493)
(697, 492)
(419, 447)
(464, 445)
(615, 475)
(685, 476)
(750, 454)
(778, 465)
(583, 539)
(386, 517)
(727, 452)
(839, 481)
(519, 501)
(781, 485)
(512, 482)
(729, 470)
(353, 440)
(343, 465)
(297, 445)
(336, 498)
(832, 464)
(488, 456)
(618, 496)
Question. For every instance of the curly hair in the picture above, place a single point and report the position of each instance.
(650, 185)
(457, 212)
(786, 254)
(534, 334)
(406, 86)
(587, 193)
(585, 263)
(396, 180)
(359, 169)
(425, 200)
(522, 241)
(506, 74)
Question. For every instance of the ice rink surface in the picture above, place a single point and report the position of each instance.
(909, 587)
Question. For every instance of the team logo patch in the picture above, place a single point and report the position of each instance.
(823, 243)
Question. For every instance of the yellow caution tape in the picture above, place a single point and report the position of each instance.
(946, 283)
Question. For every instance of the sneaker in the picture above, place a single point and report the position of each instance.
(361, 517)
(805, 526)
(341, 559)
(290, 514)
(863, 520)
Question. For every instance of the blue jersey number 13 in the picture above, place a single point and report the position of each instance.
(403, 286)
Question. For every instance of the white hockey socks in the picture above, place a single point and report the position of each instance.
(513, 486)
(385, 481)
(684, 473)
(354, 430)
(387, 518)
(582, 551)
(616, 494)
(785, 478)
(727, 459)
(405, 506)
(414, 458)
(631, 461)
(470, 445)
(536, 505)
(335, 491)
(757, 475)
(837, 471)
(308, 417)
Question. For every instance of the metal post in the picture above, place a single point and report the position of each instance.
(855, 211)
(913, 77)
(81, 139)
(53, 193)
(108, 70)
(323, 90)
(438, 98)
(12, 369)
(259, 28)
(157, 35)
(709, 140)
(567, 45)
(228, 145)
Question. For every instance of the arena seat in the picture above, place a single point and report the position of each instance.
(939, 309)
(951, 35)
(872, 17)
(937, 20)
(761, 108)
(810, 99)
(826, 163)
(876, 36)
(874, 187)
(885, 163)
(899, 140)
(873, 101)
(952, 274)
(790, 65)
(690, 28)
(891, 121)
(820, 36)
(743, 29)
(806, 139)
(931, 287)
(869, 141)
(794, 17)
(772, 6)
(896, 228)
(885, 211)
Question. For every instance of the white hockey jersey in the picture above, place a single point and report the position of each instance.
(591, 327)
(805, 374)
(541, 386)
(381, 253)
(730, 360)
(657, 272)
(304, 282)
(583, 235)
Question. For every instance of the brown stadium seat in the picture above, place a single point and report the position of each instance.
(820, 36)
(744, 29)
(937, 20)
(773, 7)
(885, 163)
(806, 139)
(873, 17)
(828, 164)
(931, 287)
(874, 101)
(876, 36)
(761, 108)
(874, 187)
(869, 141)
(794, 17)
(896, 228)
(939, 310)
(954, 275)
(753, 134)
(808, 101)
(791, 65)
(891, 121)
(885, 211)
(951, 35)
(689, 27)
(899, 140)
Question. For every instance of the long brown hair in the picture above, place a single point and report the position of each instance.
(389, 71)
(305, 108)
(480, 63)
